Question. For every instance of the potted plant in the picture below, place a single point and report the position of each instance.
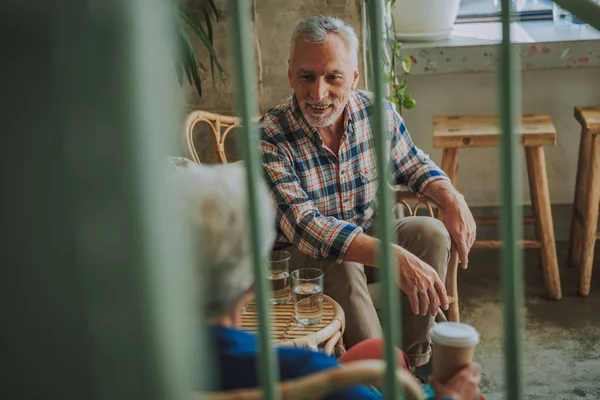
(186, 63)
(425, 20)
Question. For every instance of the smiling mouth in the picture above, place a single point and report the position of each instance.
(318, 108)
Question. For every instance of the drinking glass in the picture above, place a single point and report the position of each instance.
(278, 273)
(307, 285)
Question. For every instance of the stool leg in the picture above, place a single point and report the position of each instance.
(450, 164)
(590, 219)
(538, 186)
(450, 167)
(583, 166)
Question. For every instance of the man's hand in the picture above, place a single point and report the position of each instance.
(463, 386)
(460, 224)
(421, 283)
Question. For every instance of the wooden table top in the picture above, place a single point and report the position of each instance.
(285, 328)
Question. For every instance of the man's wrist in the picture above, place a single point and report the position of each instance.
(444, 193)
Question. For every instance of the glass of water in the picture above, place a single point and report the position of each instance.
(307, 284)
(278, 265)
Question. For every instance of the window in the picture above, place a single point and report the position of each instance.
(489, 10)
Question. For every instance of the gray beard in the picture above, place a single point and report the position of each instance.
(321, 122)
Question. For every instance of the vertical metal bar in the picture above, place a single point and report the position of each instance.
(384, 205)
(512, 255)
(246, 104)
(97, 282)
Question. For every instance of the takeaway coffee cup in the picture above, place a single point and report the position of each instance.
(453, 347)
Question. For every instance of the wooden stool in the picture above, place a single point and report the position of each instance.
(536, 131)
(587, 197)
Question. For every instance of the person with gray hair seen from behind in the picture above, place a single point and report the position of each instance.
(215, 202)
(319, 163)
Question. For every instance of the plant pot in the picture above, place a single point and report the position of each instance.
(425, 20)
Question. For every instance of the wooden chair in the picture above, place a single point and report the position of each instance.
(404, 199)
(221, 125)
(452, 133)
(587, 197)
(321, 384)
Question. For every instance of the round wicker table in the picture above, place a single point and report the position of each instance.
(286, 331)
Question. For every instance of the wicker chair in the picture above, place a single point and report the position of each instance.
(321, 384)
(221, 125)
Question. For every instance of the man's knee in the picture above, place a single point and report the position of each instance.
(428, 239)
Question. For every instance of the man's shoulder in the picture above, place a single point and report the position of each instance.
(364, 102)
(276, 119)
(364, 96)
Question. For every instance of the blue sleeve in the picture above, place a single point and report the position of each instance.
(294, 363)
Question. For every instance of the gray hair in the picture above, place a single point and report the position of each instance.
(215, 201)
(315, 30)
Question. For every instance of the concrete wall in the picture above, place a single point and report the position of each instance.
(544, 91)
(274, 23)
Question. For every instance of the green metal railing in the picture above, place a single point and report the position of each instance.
(511, 228)
(246, 103)
(390, 298)
(99, 279)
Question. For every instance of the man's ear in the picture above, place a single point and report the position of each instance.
(355, 81)
(289, 74)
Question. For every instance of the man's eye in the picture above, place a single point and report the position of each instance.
(335, 78)
(305, 77)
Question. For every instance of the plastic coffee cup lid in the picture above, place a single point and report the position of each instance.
(454, 334)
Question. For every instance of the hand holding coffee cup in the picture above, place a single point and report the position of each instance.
(453, 348)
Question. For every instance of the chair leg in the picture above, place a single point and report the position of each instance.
(590, 219)
(540, 197)
(583, 166)
(452, 286)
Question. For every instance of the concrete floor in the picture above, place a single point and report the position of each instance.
(561, 339)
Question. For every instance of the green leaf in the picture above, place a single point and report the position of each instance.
(396, 49)
(202, 35)
(210, 38)
(214, 8)
(409, 102)
(401, 91)
(189, 61)
(406, 64)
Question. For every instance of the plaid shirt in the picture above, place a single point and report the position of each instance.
(324, 201)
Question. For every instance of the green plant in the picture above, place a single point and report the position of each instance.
(399, 94)
(185, 22)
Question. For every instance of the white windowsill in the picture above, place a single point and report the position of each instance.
(490, 33)
(472, 48)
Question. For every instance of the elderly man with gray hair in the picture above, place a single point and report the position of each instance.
(214, 200)
(319, 162)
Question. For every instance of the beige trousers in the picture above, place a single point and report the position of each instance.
(346, 283)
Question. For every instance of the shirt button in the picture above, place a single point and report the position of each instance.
(347, 200)
(343, 171)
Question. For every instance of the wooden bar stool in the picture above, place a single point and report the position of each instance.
(452, 133)
(587, 197)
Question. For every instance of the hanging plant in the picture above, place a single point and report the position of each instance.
(399, 94)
